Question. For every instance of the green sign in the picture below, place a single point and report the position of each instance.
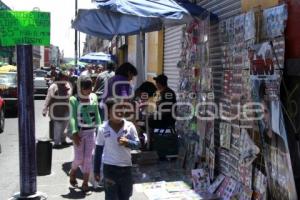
(23, 27)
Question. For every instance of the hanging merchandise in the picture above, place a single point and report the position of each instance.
(223, 161)
(218, 181)
(211, 163)
(201, 180)
(266, 57)
(245, 194)
(225, 135)
(201, 133)
(206, 79)
(245, 175)
(228, 77)
(278, 50)
(259, 185)
(250, 31)
(274, 21)
(248, 150)
(227, 188)
(239, 39)
(192, 154)
(226, 30)
(276, 153)
(261, 60)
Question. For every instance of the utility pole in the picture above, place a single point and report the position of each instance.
(75, 43)
(79, 50)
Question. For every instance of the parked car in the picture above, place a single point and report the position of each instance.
(9, 92)
(40, 83)
(2, 114)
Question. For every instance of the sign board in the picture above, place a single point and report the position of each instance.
(24, 27)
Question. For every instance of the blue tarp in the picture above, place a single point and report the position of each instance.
(96, 58)
(164, 9)
(129, 17)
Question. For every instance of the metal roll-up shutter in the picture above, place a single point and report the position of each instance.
(172, 51)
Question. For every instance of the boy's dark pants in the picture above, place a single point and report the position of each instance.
(117, 182)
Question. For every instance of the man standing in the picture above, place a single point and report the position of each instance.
(165, 103)
(103, 77)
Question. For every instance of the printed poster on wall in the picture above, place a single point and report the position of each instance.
(275, 147)
(266, 59)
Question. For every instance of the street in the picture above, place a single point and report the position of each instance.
(56, 185)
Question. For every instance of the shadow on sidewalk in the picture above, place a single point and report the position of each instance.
(66, 167)
(63, 146)
(74, 193)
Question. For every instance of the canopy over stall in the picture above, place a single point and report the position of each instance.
(130, 17)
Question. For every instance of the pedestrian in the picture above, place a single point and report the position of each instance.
(51, 75)
(103, 77)
(101, 82)
(119, 86)
(57, 107)
(83, 123)
(88, 71)
(145, 96)
(115, 139)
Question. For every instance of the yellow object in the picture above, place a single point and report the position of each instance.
(155, 53)
(8, 68)
(132, 52)
(249, 4)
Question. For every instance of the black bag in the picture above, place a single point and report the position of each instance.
(165, 142)
(51, 129)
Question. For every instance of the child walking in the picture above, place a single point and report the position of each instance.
(83, 122)
(116, 137)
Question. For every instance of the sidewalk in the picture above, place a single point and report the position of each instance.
(56, 185)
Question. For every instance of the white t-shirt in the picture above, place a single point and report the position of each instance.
(113, 153)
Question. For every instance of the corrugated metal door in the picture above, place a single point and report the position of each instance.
(172, 51)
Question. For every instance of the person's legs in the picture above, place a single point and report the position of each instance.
(89, 143)
(64, 125)
(57, 132)
(125, 184)
(78, 160)
(110, 184)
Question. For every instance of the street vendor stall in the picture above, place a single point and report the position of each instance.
(236, 145)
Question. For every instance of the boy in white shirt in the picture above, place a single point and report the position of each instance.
(116, 137)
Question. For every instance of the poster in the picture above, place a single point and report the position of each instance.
(261, 59)
(239, 33)
(275, 147)
(226, 28)
(274, 21)
(250, 31)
